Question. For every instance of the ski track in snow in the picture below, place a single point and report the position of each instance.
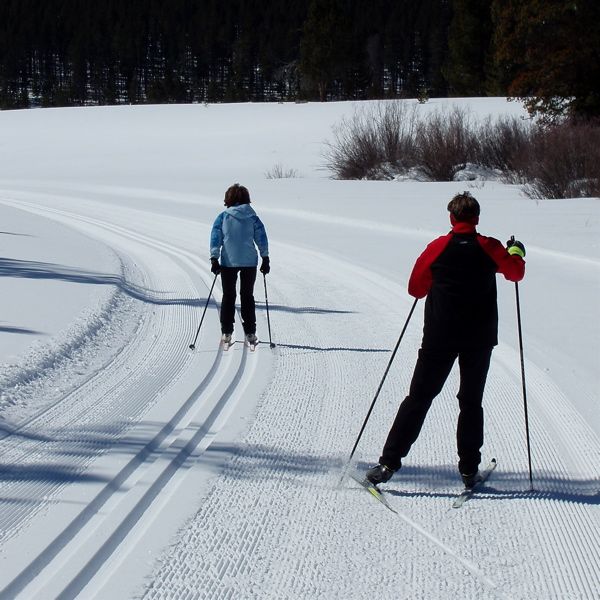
(288, 467)
(56, 446)
(273, 524)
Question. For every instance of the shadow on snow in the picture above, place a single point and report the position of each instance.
(259, 462)
(23, 330)
(39, 270)
(330, 348)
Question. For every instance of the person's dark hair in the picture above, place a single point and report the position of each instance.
(463, 207)
(237, 194)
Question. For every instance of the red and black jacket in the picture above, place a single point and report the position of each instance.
(457, 273)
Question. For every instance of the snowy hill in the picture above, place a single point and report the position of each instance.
(132, 467)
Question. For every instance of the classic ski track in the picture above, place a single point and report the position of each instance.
(225, 565)
(563, 446)
(236, 374)
(80, 403)
(22, 426)
(569, 522)
(231, 569)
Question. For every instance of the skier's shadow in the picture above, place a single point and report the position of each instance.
(494, 493)
(330, 348)
(505, 485)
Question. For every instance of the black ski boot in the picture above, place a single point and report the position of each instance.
(471, 480)
(379, 474)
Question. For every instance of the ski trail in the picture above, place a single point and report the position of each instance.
(74, 415)
(286, 469)
(272, 525)
(124, 490)
(288, 478)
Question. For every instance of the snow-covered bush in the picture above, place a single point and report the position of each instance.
(564, 161)
(445, 142)
(375, 143)
(392, 140)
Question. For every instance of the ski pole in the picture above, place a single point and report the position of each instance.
(271, 344)
(193, 344)
(523, 381)
(382, 380)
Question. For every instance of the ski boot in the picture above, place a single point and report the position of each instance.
(379, 474)
(471, 479)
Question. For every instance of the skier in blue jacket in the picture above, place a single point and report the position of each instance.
(235, 235)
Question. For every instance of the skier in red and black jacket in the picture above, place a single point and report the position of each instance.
(457, 273)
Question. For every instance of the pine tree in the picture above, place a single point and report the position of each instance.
(469, 38)
(549, 52)
(325, 46)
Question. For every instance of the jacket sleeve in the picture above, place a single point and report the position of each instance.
(260, 237)
(216, 237)
(421, 278)
(511, 266)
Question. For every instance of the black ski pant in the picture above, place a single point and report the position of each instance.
(431, 371)
(248, 307)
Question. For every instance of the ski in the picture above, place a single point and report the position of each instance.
(468, 492)
(374, 491)
(227, 345)
(252, 343)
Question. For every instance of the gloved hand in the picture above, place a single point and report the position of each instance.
(215, 267)
(265, 267)
(515, 247)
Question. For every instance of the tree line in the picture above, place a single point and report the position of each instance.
(76, 52)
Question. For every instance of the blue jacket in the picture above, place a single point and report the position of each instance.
(234, 235)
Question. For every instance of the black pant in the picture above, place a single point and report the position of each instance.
(248, 307)
(431, 371)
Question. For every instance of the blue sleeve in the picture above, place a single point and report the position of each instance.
(216, 237)
(260, 237)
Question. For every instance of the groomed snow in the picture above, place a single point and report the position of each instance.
(132, 467)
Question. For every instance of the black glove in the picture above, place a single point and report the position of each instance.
(265, 267)
(515, 247)
(215, 267)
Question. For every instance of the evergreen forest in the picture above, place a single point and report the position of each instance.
(77, 52)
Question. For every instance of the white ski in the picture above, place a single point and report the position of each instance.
(468, 492)
(374, 491)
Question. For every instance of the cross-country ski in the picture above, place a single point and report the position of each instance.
(373, 490)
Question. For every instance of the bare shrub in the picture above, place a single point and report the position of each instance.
(373, 143)
(445, 143)
(354, 151)
(279, 172)
(504, 144)
(396, 125)
(564, 161)
(390, 139)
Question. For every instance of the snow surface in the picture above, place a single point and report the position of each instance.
(132, 467)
